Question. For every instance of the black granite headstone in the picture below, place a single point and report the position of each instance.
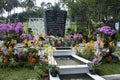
(55, 21)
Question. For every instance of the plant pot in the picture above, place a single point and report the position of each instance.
(92, 71)
(53, 73)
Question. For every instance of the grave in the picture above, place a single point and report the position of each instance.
(55, 21)
(77, 68)
(67, 60)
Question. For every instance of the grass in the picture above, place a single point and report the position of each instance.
(25, 73)
(17, 73)
(108, 68)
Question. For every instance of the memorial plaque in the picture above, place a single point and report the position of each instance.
(55, 21)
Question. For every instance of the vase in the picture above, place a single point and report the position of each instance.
(53, 73)
(118, 43)
(98, 37)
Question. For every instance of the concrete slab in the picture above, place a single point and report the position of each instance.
(112, 77)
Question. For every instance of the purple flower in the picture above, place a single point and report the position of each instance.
(12, 27)
(5, 52)
(70, 39)
(107, 30)
(17, 30)
(95, 60)
(77, 36)
(4, 28)
(112, 32)
(18, 27)
(42, 57)
(103, 53)
(26, 36)
(30, 54)
(20, 55)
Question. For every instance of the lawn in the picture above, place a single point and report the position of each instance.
(17, 73)
(108, 68)
(25, 73)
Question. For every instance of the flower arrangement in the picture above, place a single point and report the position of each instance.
(10, 32)
(49, 50)
(88, 51)
(8, 28)
(26, 36)
(97, 53)
(107, 30)
(107, 34)
(66, 41)
(77, 38)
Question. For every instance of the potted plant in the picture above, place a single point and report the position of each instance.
(54, 70)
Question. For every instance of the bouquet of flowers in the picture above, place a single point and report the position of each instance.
(107, 34)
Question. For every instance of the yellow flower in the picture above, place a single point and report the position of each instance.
(36, 43)
(29, 43)
(83, 41)
(111, 43)
(25, 42)
(10, 49)
(49, 50)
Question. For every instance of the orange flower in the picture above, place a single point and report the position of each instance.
(31, 59)
(76, 47)
(91, 43)
(5, 59)
(108, 58)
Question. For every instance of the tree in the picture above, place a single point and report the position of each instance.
(49, 5)
(56, 6)
(10, 4)
(23, 5)
(43, 5)
(15, 4)
(79, 10)
(30, 4)
(1, 7)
